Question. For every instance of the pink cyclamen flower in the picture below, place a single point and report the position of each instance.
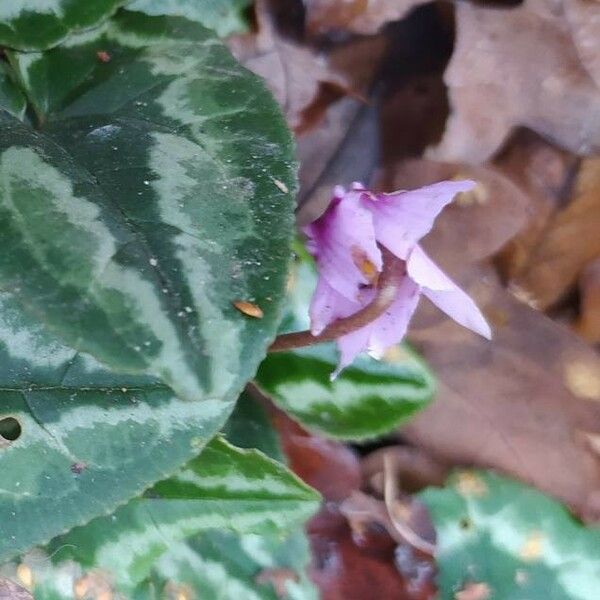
(345, 242)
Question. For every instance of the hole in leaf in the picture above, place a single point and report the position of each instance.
(465, 523)
(10, 429)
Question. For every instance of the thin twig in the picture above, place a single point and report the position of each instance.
(390, 494)
(391, 277)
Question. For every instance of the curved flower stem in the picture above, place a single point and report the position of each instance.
(391, 277)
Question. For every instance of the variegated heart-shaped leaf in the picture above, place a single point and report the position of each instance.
(146, 203)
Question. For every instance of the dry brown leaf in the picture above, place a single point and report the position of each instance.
(588, 324)
(515, 67)
(404, 518)
(329, 466)
(584, 21)
(404, 513)
(320, 147)
(311, 117)
(178, 591)
(570, 241)
(398, 518)
(415, 104)
(355, 565)
(416, 469)
(9, 590)
(357, 16)
(94, 585)
(471, 485)
(533, 548)
(25, 576)
(103, 56)
(544, 173)
(359, 60)
(515, 403)
(346, 563)
(414, 117)
(292, 72)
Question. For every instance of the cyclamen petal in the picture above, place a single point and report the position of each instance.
(445, 294)
(425, 272)
(328, 305)
(402, 218)
(459, 306)
(384, 332)
(390, 328)
(350, 346)
(342, 241)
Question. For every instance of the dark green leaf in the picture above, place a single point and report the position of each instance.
(130, 223)
(229, 567)
(87, 439)
(159, 207)
(369, 398)
(224, 16)
(39, 24)
(225, 487)
(11, 98)
(249, 427)
(508, 539)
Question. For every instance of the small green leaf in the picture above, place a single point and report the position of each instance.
(11, 98)
(35, 25)
(229, 566)
(224, 16)
(367, 399)
(510, 540)
(146, 206)
(225, 487)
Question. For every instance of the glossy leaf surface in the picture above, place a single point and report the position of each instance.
(11, 98)
(87, 439)
(240, 490)
(253, 567)
(131, 220)
(160, 210)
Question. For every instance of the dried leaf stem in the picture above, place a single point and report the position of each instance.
(392, 502)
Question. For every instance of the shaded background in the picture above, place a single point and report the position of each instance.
(405, 93)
